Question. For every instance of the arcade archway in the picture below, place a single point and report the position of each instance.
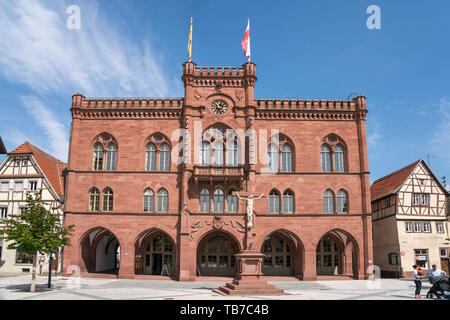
(283, 253)
(155, 254)
(337, 254)
(278, 257)
(216, 255)
(100, 252)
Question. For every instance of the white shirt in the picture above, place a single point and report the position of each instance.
(414, 275)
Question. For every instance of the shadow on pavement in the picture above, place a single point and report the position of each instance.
(26, 288)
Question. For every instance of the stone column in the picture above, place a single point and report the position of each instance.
(126, 267)
(366, 248)
(310, 271)
(186, 256)
(348, 260)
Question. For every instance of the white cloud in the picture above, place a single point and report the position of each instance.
(440, 141)
(99, 60)
(55, 131)
(374, 136)
(373, 140)
(38, 50)
(14, 137)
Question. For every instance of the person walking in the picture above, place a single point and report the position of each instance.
(417, 277)
(434, 272)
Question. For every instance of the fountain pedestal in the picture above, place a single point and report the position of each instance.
(249, 279)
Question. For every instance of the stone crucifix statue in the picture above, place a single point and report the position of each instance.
(249, 201)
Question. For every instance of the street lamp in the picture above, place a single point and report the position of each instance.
(50, 270)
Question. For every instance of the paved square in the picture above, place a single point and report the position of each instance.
(16, 287)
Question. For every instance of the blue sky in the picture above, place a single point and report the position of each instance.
(303, 49)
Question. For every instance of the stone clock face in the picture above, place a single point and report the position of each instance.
(219, 107)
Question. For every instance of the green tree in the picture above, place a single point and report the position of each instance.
(36, 229)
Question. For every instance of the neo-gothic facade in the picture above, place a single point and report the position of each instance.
(152, 184)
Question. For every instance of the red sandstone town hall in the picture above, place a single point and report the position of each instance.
(157, 186)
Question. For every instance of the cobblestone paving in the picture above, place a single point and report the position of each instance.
(16, 288)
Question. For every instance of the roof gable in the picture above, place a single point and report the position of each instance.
(392, 182)
(51, 167)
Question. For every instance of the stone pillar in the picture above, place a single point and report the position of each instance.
(249, 279)
(366, 248)
(126, 267)
(348, 260)
(70, 258)
(186, 258)
(249, 264)
(310, 271)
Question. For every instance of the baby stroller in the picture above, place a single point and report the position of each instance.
(440, 287)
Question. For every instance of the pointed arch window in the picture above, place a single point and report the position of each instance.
(325, 158)
(218, 154)
(94, 200)
(342, 202)
(105, 150)
(108, 197)
(286, 159)
(149, 200)
(333, 154)
(150, 161)
(274, 201)
(205, 154)
(163, 200)
(338, 159)
(111, 157)
(232, 202)
(328, 205)
(232, 152)
(204, 200)
(218, 200)
(273, 157)
(98, 157)
(288, 202)
(164, 158)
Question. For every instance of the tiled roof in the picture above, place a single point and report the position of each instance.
(52, 167)
(390, 183)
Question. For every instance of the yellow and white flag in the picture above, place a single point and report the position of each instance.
(190, 42)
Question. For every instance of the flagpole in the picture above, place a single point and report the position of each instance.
(190, 42)
(248, 20)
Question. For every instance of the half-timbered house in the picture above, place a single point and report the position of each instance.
(27, 170)
(409, 220)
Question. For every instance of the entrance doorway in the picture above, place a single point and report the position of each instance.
(328, 256)
(216, 256)
(158, 251)
(278, 259)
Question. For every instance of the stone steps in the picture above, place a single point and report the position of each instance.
(243, 288)
(248, 291)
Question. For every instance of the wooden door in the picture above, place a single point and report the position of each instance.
(444, 265)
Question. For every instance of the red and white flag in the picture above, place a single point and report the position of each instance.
(246, 41)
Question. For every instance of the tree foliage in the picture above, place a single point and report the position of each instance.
(36, 229)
